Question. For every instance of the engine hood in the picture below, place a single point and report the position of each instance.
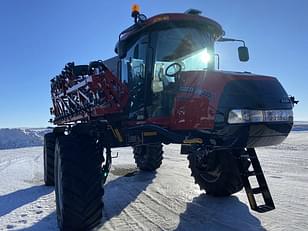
(203, 95)
(205, 98)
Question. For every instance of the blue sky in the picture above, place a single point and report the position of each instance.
(38, 37)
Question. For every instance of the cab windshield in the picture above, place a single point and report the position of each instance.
(189, 47)
(182, 49)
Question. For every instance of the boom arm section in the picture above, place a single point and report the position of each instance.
(85, 92)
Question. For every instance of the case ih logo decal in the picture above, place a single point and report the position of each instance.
(196, 91)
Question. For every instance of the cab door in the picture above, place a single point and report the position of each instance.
(133, 73)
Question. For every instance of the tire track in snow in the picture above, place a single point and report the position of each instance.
(143, 218)
(4, 165)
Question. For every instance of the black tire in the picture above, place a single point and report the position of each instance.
(217, 172)
(49, 157)
(78, 180)
(148, 157)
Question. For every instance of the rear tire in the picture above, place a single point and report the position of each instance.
(78, 180)
(148, 157)
(216, 172)
(49, 157)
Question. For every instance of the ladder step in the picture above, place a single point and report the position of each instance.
(251, 157)
(251, 173)
(264, 208)
(257, 190)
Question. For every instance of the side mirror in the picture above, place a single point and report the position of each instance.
(243, 54)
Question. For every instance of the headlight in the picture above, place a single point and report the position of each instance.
(238, 116)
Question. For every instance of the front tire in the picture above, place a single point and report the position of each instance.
(49, 158)
(216, 172)
(148, 157)
(78, 180)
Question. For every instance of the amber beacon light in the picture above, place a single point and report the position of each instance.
(135, 12)
(135, 8)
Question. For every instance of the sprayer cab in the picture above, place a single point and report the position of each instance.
(168, 62)
(191, 18)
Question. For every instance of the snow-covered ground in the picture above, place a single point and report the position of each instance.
(165, 200)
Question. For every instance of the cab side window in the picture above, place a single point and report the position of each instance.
(133, 72)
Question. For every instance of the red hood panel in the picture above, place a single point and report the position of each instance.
(199, 92)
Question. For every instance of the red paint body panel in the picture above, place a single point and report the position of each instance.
(199, 93)
(173, 17)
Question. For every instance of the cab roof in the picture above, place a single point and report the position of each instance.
(172, 19)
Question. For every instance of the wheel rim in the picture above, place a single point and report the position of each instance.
(209, 174)
(216, 172)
